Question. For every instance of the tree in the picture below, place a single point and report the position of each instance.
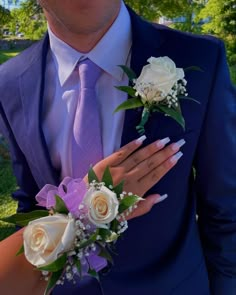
(153, 9)
(229, 17)
(221, 16)
(28, 19)
(4, 17)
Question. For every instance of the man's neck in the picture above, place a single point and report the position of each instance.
(85, 39)
(80, 42)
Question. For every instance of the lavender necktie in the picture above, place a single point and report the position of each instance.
(86, 139)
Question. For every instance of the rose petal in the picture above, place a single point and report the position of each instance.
(59, 231)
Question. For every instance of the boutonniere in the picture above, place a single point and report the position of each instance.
(159, 88)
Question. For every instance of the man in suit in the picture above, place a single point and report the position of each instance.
(166, 251)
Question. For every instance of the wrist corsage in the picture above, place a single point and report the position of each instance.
(75, 236)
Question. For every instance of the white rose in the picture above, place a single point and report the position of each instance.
(48, 237)
(102, 206)
(157, 79)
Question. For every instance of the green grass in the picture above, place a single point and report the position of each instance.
(7, 181)
(7, 204)
(7, 54)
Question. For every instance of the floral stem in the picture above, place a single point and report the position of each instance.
(144, 119)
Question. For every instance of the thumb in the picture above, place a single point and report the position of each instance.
(146, 205)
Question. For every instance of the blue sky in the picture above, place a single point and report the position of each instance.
(10, 4)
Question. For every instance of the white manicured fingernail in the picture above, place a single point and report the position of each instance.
(162, 142)
(177, 145)
(161, 198)
(141, 139)
(176, 157)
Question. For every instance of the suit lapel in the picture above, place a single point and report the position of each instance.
(146, 40)
(32, 88)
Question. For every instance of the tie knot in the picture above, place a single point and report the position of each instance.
(89, 72)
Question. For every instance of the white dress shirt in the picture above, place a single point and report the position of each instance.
(62, 90)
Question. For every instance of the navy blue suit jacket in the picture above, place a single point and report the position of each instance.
(166, 251)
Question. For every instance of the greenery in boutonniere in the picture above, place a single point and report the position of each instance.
(159, 88)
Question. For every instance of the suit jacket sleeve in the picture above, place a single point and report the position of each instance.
(28, 187)
(216, 182)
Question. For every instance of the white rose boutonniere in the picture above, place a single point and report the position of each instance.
(159, 88)
(157, 79)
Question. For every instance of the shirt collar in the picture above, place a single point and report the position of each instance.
(108, 54)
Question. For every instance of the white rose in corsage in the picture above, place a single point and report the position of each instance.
(102, 204)
(159, 88)
(76, 236)
(46, 238)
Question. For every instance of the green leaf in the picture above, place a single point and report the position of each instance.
(174, 114)
(22, 219)
(104, 233)
(93, 274)
(119, 188)
(131, 103)
(60, 206)
(92, 175)
(105, 254)
(189, 98)
(79, 267)
(52, 281)
(127, 89)
(114, 225)
(56, 265)
(130, 73)
(90, 241)
(127, 202)
(193, 68)
(107, 178)
(20, 251)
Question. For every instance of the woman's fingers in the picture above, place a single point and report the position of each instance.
(153, 161)
(146, 205)
(150, 179)
(144, 154)
(123, 153)
(143, 168)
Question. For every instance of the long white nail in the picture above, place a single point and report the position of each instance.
(162, 142)
(177, 145)
(141, 139)
(161, 198)
(176, 157)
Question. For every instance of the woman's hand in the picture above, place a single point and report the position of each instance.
(141, 169)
